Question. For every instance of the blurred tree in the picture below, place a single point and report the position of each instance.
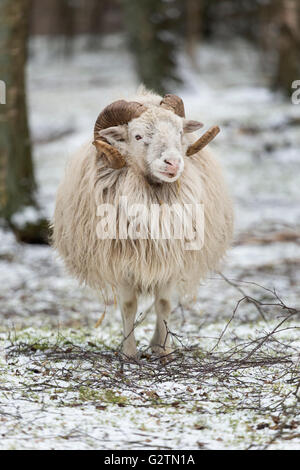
(193, 12)
(153, 28)
(93, 17)
(67, 15)
(288, 44)
(17, 183)
(94, 12)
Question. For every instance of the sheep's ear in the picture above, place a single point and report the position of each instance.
(114, 134)
(191, 126)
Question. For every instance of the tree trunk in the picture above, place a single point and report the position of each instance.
(193, 27)
(95, 13)
(288, 68)
(17, 183)
(153, 27)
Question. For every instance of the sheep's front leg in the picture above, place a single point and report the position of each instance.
(128, 305)
(160, 343)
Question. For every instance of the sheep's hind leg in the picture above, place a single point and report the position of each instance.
(128, 305)
(160, 343)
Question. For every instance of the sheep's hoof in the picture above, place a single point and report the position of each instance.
(132, 360)
(129, 357)
(130, 353)
(165, 354)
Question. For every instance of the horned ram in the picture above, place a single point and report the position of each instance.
(142, 153)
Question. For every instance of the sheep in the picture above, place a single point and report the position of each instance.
(142, 150)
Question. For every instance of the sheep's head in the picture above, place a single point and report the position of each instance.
(153, 136)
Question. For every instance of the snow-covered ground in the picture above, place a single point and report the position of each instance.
(59, 382)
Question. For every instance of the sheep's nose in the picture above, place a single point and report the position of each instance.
(173, 165)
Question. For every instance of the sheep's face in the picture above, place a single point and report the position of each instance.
(155, 142)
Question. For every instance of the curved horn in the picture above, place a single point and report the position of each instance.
(115, 114)
(203, 141)
(118, 113)
(173, 103)
(114, 158)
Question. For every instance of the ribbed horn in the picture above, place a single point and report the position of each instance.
(173, 103)
(113, 157)
(116, 114)
(203, 141)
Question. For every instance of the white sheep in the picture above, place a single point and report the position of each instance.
(140, 153)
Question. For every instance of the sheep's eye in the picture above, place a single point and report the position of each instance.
(138, 137)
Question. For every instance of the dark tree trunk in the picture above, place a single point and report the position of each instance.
(288, 68)
(153, 27)
(17, 183)
(194, 9)
(67, 17)
(17, 180)
(94, 12)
